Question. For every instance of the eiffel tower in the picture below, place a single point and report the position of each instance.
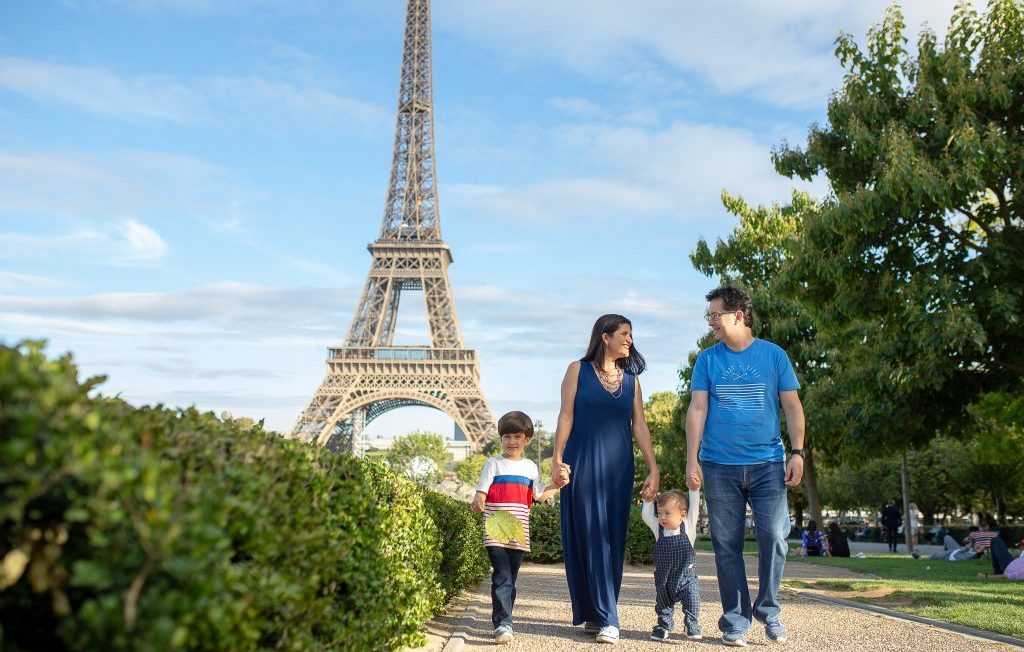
(368, 376)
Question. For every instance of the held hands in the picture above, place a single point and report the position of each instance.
(794, 470)
(649, 490)
(694, 476)
(560, 474)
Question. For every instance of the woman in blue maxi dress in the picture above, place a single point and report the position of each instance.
(601, 414)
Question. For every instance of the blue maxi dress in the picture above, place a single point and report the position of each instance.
(595, 503)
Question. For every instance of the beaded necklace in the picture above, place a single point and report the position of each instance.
(610, 384)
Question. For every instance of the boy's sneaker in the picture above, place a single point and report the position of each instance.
(659, 633)
(608, 634)
(776, 632)
(591, 627)
(503, 635)
(734, 639)
(693, 633)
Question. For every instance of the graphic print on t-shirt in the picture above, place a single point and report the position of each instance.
(738, 389)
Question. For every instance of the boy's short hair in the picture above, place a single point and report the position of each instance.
(515, 421)
(673, 496)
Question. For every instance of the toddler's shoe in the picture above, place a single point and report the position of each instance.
(503, 635)
(608, 634)
(659, 633)
(693, 633)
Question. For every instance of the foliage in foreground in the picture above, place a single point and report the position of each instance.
(128, 528)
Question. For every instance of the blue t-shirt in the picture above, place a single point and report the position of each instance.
(743, 388)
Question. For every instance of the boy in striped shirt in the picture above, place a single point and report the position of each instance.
(509, 483)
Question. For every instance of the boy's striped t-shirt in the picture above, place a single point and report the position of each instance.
(511, 486)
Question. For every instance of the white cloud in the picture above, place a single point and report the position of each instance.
(122, 243)
(779, 52)
(15, 281)
(100, 91)
(144, 243)
(220, 100)
(675, 173)
(263, 309)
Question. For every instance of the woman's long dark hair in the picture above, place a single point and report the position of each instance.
(607, 325)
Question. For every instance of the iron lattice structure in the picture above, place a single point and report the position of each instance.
(368, 376)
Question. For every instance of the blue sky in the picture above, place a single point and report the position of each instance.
(187, 187)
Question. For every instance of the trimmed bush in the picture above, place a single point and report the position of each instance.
(546, 536)
(128, 528)
(464, 561)
(545, 533)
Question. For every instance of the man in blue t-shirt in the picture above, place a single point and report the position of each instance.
(734, 446)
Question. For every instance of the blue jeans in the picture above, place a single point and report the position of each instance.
(728, 488)
(505, 564)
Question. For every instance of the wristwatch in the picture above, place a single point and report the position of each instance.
(802, 452)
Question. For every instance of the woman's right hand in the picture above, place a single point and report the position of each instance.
(559, 473)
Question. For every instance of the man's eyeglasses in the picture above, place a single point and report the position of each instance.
(715, 316)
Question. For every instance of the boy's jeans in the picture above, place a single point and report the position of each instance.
(505, 563)
(728, 488)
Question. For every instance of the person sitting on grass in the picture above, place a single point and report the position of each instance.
(1005, 567)
(951, 550)
(812, 542)
(979, 540)
(838, 544)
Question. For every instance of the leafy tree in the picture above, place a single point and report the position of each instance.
(660, 409)
(419, 455)
(997, 423)
(912, 266)
(468, 470)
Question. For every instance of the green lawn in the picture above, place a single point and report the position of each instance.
(944, 590)
(749, 547)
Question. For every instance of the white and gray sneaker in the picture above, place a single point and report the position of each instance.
(503, 635)
(608, 634)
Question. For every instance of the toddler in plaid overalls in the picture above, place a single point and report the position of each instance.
(675, 571)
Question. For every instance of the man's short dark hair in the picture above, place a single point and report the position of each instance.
(515, 421)
(734, 299)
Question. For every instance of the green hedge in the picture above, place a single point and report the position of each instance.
(546, 536)
(150, 528)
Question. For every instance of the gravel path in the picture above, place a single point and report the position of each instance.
(543, 617)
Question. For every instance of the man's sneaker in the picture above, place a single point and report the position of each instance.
(776, 632)
(734, 639)
(503, 635)
(659, 633)
(591, 627)
(608, 634)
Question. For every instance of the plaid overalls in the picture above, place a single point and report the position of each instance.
(675, 578)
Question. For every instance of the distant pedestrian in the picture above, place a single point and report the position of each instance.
(892, 518)
(914, 523)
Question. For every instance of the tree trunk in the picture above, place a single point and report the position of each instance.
(811, 490)
(906, 502)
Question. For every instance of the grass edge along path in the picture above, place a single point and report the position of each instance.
(935, 589)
